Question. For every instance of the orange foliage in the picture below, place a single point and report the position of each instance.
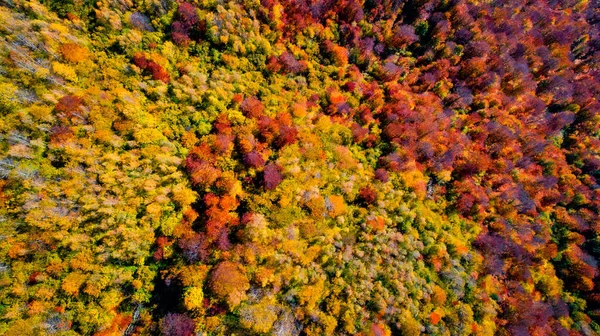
(377, 223)
(228, 281)
(378, 329)
(73, 52)
(434, 318)
(337, 206)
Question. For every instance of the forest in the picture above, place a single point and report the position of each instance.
(299, 167)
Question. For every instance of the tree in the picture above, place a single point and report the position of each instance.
(252, 107)
(228, 282)
(177, 325)
(272, 176)
(254, 160)
(259, 317)
(73, 52)
(367, 195)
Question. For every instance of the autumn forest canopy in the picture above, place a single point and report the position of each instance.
(299, 167)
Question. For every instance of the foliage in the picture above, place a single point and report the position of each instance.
(299, 167)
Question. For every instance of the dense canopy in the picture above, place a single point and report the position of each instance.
(299, 167)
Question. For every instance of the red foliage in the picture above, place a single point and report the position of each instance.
(187, 15)
(382, 175)
(350, 11)
(254, 160)
(507, 114)
(158, 72)
(252, 107)
(68, 105)
(268, 129)
(204, 174)
(161, 243)
(194, 248)
(272, 176)
(179, 34)
(223, 143)
(175, 324)
(404, 35)
(273, 64)
(389, 72)
(60, 134)
(140, 60)
(367, 195)
(223, 243)
(34, 278)
(359, 133)
(290, 64)
(187, 25)
(219, 217)
(287, 136)
(222, 124)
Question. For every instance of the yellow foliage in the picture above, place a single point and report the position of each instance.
(328, 322)
(45, 293)
(58, 27)
(310, 254)
(409, 325)
(110, 299)
(137, 284)
(308, 228)
(168, 225)
(323, 124)
(439, 295)
(231, 61)
(37, 111)
(149, 136)
(491, 285)
(64, 71)
(546, 281)
(20, 328)
(212, 323)
(317, 207)
(95, 286)
(193, 275)
(259, 317)
(72, 282)
(486, 328)
(194, 298)
(82, 261)
(349, 319)
(415, 180)
(153, 209)
(189, 139)
(41, 72)
(310, 295)
(160, 59)
(295, 248)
